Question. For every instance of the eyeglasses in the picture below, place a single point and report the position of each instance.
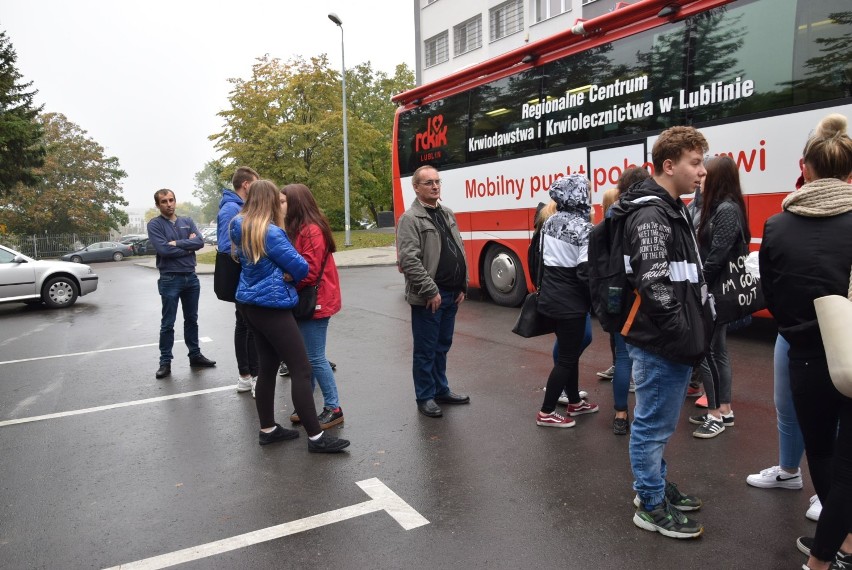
(430, 183)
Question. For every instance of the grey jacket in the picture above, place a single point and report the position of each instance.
(419, 249)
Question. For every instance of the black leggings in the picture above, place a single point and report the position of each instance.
(566, 372)
(277, 339)
(825, 416)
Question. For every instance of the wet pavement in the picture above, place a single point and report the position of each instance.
(104, 465)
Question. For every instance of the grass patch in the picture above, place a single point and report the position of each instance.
(360, 239)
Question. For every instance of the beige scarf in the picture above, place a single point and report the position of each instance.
(820, 199)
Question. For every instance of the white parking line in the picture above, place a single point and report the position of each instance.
(202, 339)
(382, 499)
(113, 406)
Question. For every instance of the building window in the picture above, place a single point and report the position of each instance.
(437, 49)
(467, 36)
(545, 9)
(506, 19)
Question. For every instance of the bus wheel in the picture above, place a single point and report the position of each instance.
(504, 277)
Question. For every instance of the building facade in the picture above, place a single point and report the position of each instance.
(454, 34)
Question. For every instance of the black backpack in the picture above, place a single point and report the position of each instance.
(607, 277)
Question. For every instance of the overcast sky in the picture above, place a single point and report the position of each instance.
(146, 79)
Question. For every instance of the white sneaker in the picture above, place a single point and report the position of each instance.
(244, 384)
(776, 477)
(563, 397)
(815, 509)
(253, 385)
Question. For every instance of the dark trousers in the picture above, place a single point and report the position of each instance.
(277, 339)
(244, 347)
(825, 417)
(566, 371)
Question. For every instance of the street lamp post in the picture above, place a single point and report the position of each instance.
(347, 236)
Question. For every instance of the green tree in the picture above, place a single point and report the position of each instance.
(209, 183)
(184, 209)
(286, 122)
(79, 188)
(21, 149)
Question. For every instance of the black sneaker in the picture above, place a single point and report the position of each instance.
(330, 418)
(619, 426)
(710, 428)
(676, 499)
(727, 421)
(278, 434)
(804, 544)
(842, 561)
(327, 444)
(668, 521)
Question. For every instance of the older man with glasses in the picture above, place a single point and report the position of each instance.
(431, 257)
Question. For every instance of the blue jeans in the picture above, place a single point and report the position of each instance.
(791, 445)
(621, 378)
(660, 390)
(314, 332)
(433, 336)
(183, 288)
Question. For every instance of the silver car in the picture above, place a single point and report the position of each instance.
(55, 283)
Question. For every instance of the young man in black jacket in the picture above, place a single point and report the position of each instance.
(664, 328)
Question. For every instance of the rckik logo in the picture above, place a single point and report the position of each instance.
(435, 135)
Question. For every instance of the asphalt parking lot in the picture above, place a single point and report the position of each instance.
(104, 466)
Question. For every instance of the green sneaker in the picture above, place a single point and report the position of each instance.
(677, 499)
(668, 521)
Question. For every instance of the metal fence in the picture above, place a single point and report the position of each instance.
(52, 245)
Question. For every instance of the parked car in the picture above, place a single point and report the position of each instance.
(144, 247)
(210, 236)
(130, 239)
(55, 283)
(100, 251)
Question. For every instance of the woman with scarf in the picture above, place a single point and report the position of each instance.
(565, 295)
(806, 253)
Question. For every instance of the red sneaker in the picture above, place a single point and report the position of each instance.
(701, 402)
(580, 408)
(553, 420)
(694, 391)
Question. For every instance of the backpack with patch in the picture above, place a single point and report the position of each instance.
(608, 282)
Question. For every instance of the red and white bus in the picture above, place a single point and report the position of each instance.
(754, 75)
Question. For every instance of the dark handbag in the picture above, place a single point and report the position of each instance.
(307, 305)
(737, 293)
(226, 277)
(530, 322)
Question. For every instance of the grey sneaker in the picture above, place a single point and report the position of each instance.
(710, 428)
(607, 374)
(668, 521)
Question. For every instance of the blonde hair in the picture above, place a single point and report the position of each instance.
(548, 210)
(262, 208)
(828, 152)
(608, 199)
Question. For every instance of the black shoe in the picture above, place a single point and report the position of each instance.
(327, 444)
(430, 408)
(333, 365)
(283, 370)
(201, 361)
(619, 426)
(278, 434)
(330, 418)
(804, 544)
(163, 371)
(452, 398)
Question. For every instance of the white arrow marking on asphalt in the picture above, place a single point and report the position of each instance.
(202, 339)
(383, 499)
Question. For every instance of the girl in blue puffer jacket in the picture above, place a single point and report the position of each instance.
(265, 297)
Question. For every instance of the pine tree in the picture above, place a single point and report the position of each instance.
(21, 148)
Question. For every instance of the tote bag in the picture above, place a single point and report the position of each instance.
(738, 293)
(834, 313)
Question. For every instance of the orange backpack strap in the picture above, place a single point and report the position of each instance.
(637, 300)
